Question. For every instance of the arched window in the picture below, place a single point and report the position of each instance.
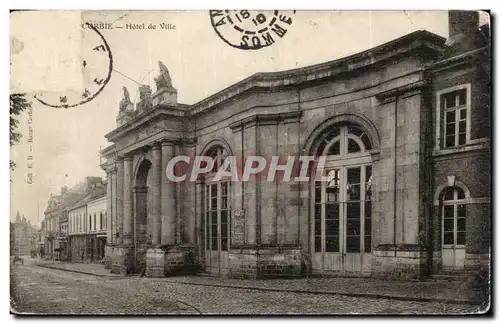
(342, 204)
(217, 205)
(453, 216)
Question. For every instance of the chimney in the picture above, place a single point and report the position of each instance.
(462, 22)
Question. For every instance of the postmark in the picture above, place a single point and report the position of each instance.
(251, 29)
(96, 64)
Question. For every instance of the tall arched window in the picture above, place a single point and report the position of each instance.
(453, 217)
(217, 205)
(343, 204)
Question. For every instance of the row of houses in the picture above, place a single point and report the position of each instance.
(74, 228)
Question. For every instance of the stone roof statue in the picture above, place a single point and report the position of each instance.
(145, 102)
(125, 100)
(164, 80)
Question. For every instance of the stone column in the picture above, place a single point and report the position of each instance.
(119, 199)
(109, 206)
(156, 194)
(168, 214)
(127, 202)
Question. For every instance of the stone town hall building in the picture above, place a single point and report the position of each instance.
(405, 127)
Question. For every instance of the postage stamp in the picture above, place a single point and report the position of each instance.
(251, 162)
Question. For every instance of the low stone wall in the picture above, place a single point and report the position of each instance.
(399, 264)
(171, 260)
(275, 262)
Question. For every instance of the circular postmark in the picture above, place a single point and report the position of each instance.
(251, 29)
(96, 65)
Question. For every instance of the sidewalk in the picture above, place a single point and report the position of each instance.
(95, 269)
(453, 292)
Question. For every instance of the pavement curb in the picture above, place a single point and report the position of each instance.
(300, 291)
(77, 271)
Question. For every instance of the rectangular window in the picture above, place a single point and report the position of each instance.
(454, 108)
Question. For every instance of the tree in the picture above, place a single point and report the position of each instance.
(18, 103)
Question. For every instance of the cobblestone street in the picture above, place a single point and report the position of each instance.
(36, 289)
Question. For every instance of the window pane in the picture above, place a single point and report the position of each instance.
(317, 192)
(450, 116)
(332, 227)
(462, 97)
(461, 211)
(334, 149)
(448, 211)
(332, 134)
(317, 227)
(448, 99)
(353, 210)
(460, 224)
(353, 243)
(332, 194)
(223, 202)
(463, 113)
(353, 227)
(353, 192)
(368, 209)
(355, 130)
(450, 129)
(317, 243)
(460, 193)
(334, 178)
(448, 238)
(368, 243)
(354, 175)
(450, 141)
(214, 203)
(332, 244)
(223, 243)
(461, 139)
(223, 216)
(366, 142)
(368, 226)
(223, 187)
(461, 126)
(352, 146)
(448, 224)
(448, 193)
(331, 211)
(460, 238)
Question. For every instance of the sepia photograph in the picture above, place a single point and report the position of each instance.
(250, 162)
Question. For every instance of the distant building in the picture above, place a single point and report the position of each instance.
(23, 236)
(56, 223)
(87, 225)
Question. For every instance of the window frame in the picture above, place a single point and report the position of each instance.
(441, 122)
(453, 202)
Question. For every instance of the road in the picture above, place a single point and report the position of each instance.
(41, 290)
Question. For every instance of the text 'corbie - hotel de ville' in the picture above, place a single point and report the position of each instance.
(404, 126)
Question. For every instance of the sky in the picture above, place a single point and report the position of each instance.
(67, 141)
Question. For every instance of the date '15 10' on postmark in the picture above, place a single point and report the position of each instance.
(250, 29)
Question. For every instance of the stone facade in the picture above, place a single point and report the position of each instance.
(389, 93)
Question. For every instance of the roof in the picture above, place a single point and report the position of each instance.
(419, 40)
